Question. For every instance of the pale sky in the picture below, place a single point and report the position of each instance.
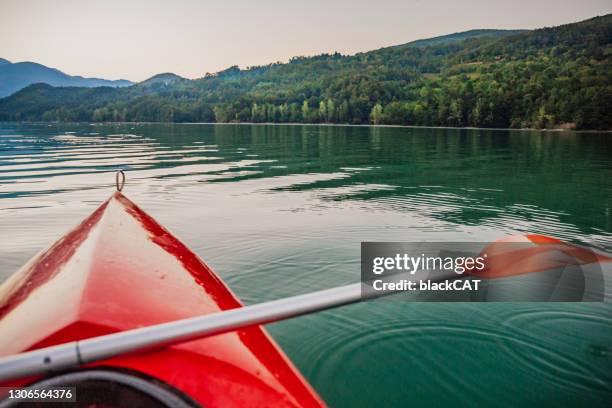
(135, 39)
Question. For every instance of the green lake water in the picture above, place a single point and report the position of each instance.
(281, 210)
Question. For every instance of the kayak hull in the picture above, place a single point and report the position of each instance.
(119, 270)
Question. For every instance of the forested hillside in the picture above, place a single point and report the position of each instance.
(560, 76)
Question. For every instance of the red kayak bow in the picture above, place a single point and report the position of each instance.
(119, 270)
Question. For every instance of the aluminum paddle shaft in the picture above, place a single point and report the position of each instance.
(72, 354)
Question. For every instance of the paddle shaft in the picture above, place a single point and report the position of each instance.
(74, 353)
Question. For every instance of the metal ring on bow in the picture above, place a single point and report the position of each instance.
(119, 180)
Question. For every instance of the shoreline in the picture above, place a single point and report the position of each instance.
(560, 130)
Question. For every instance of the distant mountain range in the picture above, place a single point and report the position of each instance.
(556, 77)
(15, 76)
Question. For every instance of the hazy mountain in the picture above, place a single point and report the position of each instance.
(166, 78)
(15, 76)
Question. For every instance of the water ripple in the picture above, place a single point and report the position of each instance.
(282, 210)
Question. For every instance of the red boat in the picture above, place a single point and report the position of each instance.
(119, 270)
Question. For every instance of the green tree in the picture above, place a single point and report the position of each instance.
(305, 112)
(376, 116)
(322, 111)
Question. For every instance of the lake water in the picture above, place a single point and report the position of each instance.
(281, 210)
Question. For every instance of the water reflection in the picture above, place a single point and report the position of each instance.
(280, 210)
